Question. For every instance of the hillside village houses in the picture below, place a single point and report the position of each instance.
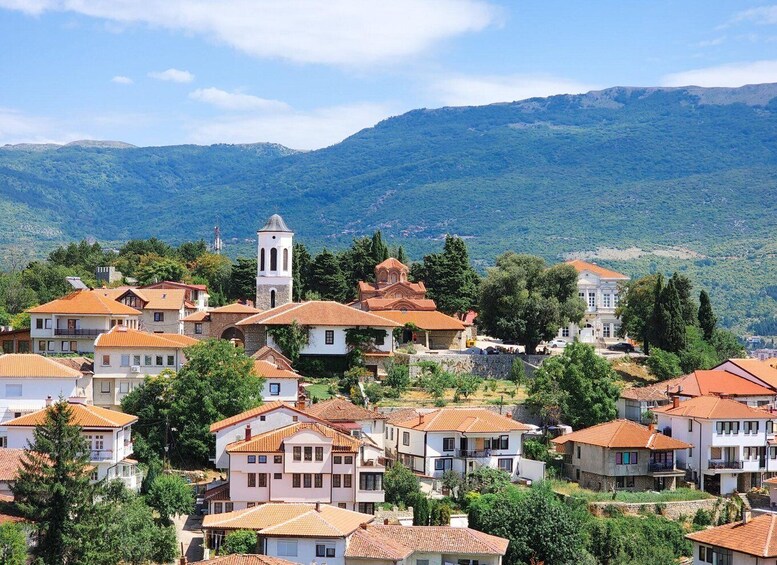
(355, 420)
(750, 541)
(281, 382)
(162, 310)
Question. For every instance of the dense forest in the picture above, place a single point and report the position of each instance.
(687, 174)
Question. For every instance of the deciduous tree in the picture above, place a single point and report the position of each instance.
(400, 485)
(170, 495)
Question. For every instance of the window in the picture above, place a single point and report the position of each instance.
(626, 458)
(295, 480)
(228, 507)
(286, 548)
(319, 453)
(285, 259)
(198, 328)
(273, 259)
(262, 459)
(105, 387)
(294, 418)
(318, 480)
(251, 480)
(252, 459)
(106, 360)
(47, 323)
(727, 428)
(421, 562)
(147, 360)
(338, 459)
(607, 300)
(443, 464)
(335, 481)
(262, 418)
(262, 480)
(751, 427)
(170, 360)
(606, 330)
(329, 337)
(578, 452)
(136, 359)
(297, 453)
(366, 507)
(347, 481)
(261, 268)
(124, 387)
(217, 507)
(159, 316)
(325, 550)
(41, 346)
(125, 360)
(73, 346)
(591, 299)
(341, 504)
(65, 346)
(448, 444)
(770, 427)
(505, 465)
(371, 481)
(690, 425)
(504, 442)
(348, 460)
(13, 391)
(250, 504)
(159, 360)
(50, 346)
(39, 324)
(277, 459)
(564, 333)
(272, 298)
(275, 389)
(277, 476)
(405, 438)
(307, 480)
(308, 453)
(380, 339)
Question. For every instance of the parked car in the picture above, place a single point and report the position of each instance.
(624, 346)
(558, 343)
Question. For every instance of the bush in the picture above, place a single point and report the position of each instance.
(702, 519)
(663, 364)
(240, 542)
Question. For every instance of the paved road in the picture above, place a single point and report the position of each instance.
(189, 533)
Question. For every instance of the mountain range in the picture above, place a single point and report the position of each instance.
(640, 179)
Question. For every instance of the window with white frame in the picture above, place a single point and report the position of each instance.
(591, 299)
(106, 360)
(13, 391)
(159, 316)
(325, 549)
(565, 331)
(105, 387)
(329, 337)
(125, 360)
(170, 360)
(287, 548)
(136, 359)
(147, 360)
(65, 346)
(505, 465)
(750, 427)
(606, 330)
(124, 387)
(443, 464)
(448, 443)
(405, 438)
(607, 300)
(198, 328)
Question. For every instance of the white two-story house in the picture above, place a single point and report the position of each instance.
(598, 288)
(108, 434)
(70, 324)
(305, 462)
(732, 442)
(459, 439)
(27, 380)
(124, 356)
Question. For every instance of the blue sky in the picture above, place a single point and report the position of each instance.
(308, 73)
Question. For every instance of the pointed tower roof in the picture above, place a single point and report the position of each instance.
(276, 223)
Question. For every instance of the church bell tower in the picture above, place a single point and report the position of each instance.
(273, 275)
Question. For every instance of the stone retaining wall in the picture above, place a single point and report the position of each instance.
(671, 510)
(487, 366)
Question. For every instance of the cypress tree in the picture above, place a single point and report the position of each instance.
(300, 272)
(401, 256)
(707, 318)
(53, 489)
(327, 278)
(380, 250)
(654, 334)
(672, 319)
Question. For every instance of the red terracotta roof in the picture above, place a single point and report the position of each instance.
(317, 313)
(622, 434)
(236, 308)
(758, 537)
(253, 413)
(10, 463)
(32, 365)
(760, 369)
(272, 441)
(268, 370)
(244, 559)
(397, 541)
(462, 420)
(715, 408)
(120, 336)
(85, 302)
(342, 410)
(581, 266)
(200, 316)
(391, 263)
(267, 353)
(708, 383)
(84, 415)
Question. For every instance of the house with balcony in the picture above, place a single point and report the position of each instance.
(356, 420)
(305, 462)
(621, 455)
(125, 356)
(302, 533)
(750, 541)
(456, 439)
(70, 324)
(598, 288)
(108, 434)
(162, 309)
(732, 443)
(27, 380)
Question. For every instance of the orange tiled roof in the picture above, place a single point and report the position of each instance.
(425, 320)
(253, 413)
(244, 559)
(272, 441)
(342, 410)
(85, 302)
(758, 537)
(654, 392)
(707, 383)
(236, 308)
(715, 408)
(403, 540)
(581, 266)
(407, 303)
(157, 298)
(760, 369)
(128, 337)
(86, 416)
(32, 365)
(401, 415)
(176, 284)
(471, 420)
(268, 370)
(267, 353)
(82, 364)
(10, 463)
(201, 316)
(391, 263)
(296, 520)
(317, 313)
(622, 433)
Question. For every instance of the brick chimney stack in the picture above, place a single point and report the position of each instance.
(675, 402)
(248, 432)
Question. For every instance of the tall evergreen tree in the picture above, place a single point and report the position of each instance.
(707, 319)
(300, 271)
(380, 250)
(449, 278)
(684, 288)
(654, 336)
(327, 278)
(53, 489)
(242, 279)
(673, 323)
(358, 263)
(401, 256)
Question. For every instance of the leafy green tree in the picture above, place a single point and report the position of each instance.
(170, 495)
(291, 339)
(449, 278)
(706, 316)
(327, 278)
(154, 269)
(242, 279)
(517, 372)
(467, 384)
(240, 542)
(535, 449)
(439, 513)
(664, 365)
(216, 270)
(635, 309)
(83, 254)
(697, 353)
(486, 480)
(53, 489)
(13, 544)
(397, 375)
(727, 345)
(151, 403)
(522, 300)
(580, 383)
(191, 251)
(400, 485)
(48, 281)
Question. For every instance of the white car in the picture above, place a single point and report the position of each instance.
(558, 343)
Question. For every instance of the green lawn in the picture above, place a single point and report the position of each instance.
(319, 391)
(680, 494)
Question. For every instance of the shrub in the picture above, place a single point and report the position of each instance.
(240, 542)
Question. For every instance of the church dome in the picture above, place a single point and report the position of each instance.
(276, 223)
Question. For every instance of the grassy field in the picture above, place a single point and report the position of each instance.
(319, 390)
(491, 392)
(680, 494)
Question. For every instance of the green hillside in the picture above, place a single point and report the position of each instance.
(691, 172)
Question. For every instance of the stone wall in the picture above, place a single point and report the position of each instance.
(282, 295)
(671, 510)
(487, 366)
(256, 338)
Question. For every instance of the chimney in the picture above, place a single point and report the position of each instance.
(248, 432)
(675, 402)
(301, 404)
(49, 401)
(420, 419)
(363, 525)
(509, 415)
(747, 515)
(651, 427)
(318, 507)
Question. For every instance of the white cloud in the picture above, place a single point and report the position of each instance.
(341, 32)
(731, 75)
(18, 127)
(119, 79)
(764, 15)
(172, 75)
(712, 42)
(478, 90)
(297, 129)
(236, 100)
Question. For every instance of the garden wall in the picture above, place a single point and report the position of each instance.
(671, 510)
(486, 366)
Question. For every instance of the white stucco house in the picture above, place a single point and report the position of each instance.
(281, 382)
(750, 541)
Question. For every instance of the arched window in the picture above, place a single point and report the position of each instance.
(273, 259)
(393, 278)
(261, 259)
(272, 298)
(285, 259)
